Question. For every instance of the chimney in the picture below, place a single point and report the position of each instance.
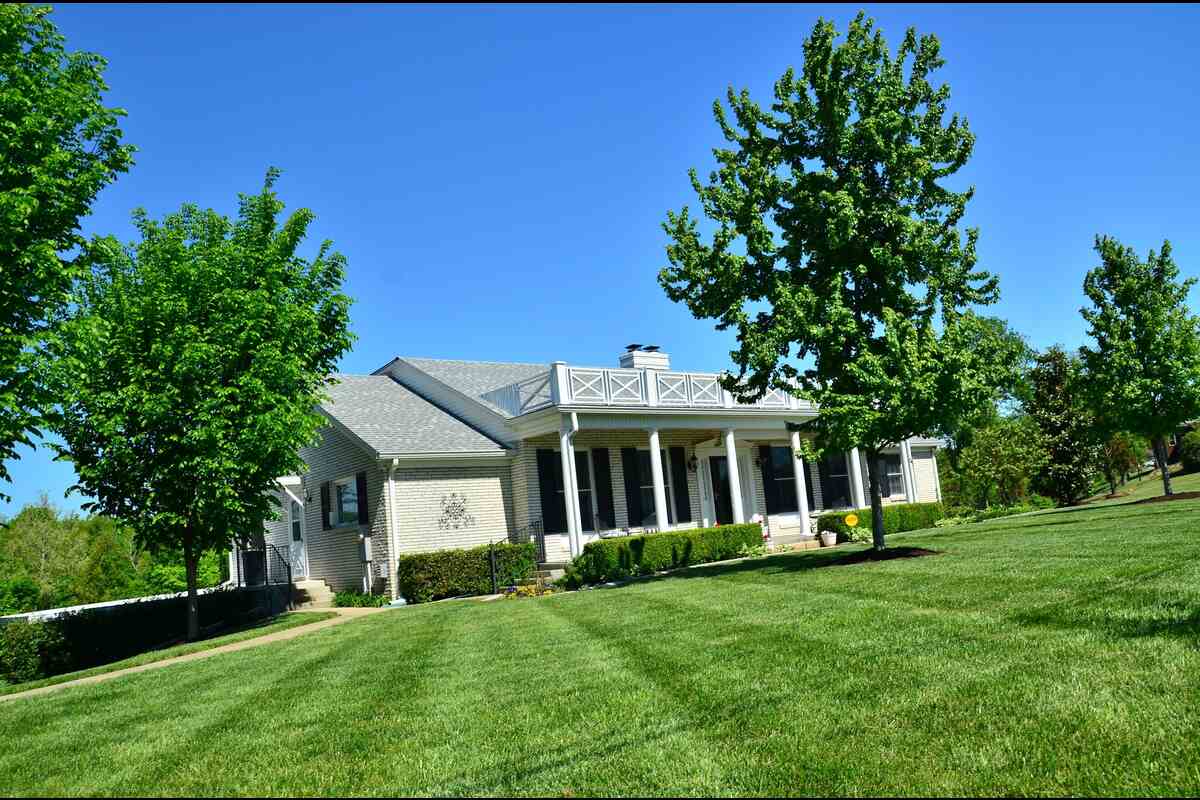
(644, 356)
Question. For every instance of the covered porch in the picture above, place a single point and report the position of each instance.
(612, 474)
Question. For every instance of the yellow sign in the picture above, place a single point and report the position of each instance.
(852, 520)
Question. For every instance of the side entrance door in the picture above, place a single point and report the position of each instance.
(299, 551)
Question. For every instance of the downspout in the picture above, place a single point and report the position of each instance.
(393, 538)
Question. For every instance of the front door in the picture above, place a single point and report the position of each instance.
(718, 468)
(299, 551)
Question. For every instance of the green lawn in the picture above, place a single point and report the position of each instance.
(1150, 485)
(280, 623)
(1053, 654)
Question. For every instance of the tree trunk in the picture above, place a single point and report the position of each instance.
(1160, 454)
(190, 562)
(876, 500)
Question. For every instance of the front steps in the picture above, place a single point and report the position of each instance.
(313, 594)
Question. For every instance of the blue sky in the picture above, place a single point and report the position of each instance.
(497, 176)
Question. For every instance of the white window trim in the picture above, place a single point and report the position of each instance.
(295, 517)
(334, 512)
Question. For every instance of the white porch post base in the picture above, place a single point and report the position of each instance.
(735, 483)
(660, 486)
(801, 487)
(907, 473)
(856, 479)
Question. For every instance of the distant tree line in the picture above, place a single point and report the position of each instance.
(49, 559)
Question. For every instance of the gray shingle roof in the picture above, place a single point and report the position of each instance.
(392, 420)
(477, 378)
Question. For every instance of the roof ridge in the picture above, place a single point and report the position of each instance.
(477, 361)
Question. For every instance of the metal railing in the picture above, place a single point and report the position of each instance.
(264, 566)
(533, 532)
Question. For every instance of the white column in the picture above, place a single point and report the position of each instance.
(570, 495)
(735, 484)
(856, 479)
(906, 468)
(660, 485)
(801, 484)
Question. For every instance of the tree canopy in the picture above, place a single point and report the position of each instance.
(835, 251)
(191, 370)
(1143, 366)
(59, 146)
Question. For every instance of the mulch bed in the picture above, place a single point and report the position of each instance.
(1162, 498)
(888, 554)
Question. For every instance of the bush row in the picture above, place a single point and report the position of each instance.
(94, 636)
(621, 557)
(454, 573)
(897, 518)
(352, 599)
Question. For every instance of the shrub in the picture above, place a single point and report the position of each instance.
(897, 518)
(620, 557)
(19, 595)
(423, 577)
(353, 599)
(30, 650)
(1189, 451)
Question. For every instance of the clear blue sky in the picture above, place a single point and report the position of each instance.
(497, 176)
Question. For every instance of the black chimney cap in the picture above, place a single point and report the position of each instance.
(629, 348)
(649, 348)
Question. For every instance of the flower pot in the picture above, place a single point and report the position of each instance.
(828, 538)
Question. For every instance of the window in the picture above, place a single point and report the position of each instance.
(835, 481)
(583, 479)
(295, 521)
(345, 508)
(646, 486)
(782, 470)
(891, 477)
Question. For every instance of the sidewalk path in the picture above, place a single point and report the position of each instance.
(343, 615)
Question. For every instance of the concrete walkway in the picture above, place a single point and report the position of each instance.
(343, 615)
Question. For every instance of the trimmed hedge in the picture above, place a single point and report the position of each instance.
(897, 518)
(92, 637)
(1189, 451)
(621, 557)
(423, 577)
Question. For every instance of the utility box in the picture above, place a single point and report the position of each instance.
(365, 539)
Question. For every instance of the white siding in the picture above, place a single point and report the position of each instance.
(925, 474)
(334, 555)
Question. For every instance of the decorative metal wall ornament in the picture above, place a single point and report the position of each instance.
(455, 514)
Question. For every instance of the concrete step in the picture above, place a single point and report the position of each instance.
(311, 593)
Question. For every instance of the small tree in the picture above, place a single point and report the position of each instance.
(1189, 451)
(999, 462)
(1144, 365)
(191, 370)
(59, 146)
(837, 255)
(1119, 453)
(1070, 432)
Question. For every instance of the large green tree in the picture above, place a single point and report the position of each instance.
(1000, 461)
(59, 146)
(835, 251)
(1143, 367)
(191, 371)
(1071, 434)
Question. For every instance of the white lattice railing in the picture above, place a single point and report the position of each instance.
(655, 388)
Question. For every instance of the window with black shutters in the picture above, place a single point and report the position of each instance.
(891, 477)
(646, 487)
(835, 481)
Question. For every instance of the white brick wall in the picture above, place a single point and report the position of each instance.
(422, 496)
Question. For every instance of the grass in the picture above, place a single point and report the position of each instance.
(1149, 485)
(280, 623)
(1053, 654)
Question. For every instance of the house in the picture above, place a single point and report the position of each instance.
(426, 454)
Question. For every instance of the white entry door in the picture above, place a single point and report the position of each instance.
(299, 551)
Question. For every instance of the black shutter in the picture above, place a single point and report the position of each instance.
(770, 487)
(554, 512)
(633, 489)
(683, 512)
(606, 517)
(326, 506)
(360, 489)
